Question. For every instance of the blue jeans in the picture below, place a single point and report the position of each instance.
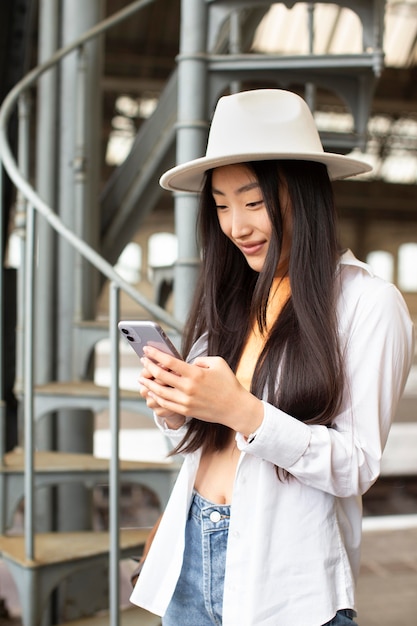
(343, 618)
(198, 596)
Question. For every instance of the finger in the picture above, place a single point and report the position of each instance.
(150, 399)
(160, 374)
(152, 404)
(164, 396)
(145, 373)
(167, 361)
(157, 390)
(162, 406)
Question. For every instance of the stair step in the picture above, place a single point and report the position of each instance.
(128, 617)
(54, 548)
(83, 395)
(57, 556)
(51, 461)
(53, 468)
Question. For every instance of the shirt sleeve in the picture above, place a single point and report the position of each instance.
(344, 460)
(174, 435)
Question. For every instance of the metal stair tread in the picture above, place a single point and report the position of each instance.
(51, 461)
(84, 388)
(60, 547)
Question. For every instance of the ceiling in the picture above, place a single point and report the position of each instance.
(392, 145)
(140, 55)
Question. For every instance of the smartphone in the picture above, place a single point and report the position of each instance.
(141, 334)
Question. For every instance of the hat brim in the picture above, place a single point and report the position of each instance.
(190, 176)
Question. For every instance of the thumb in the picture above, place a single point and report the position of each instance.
(203, 362)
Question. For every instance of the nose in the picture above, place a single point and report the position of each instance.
(239, 224)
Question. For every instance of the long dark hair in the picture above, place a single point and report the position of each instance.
(303, 342)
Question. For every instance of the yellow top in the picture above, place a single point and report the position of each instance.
(279, 294)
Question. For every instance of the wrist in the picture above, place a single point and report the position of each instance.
(174, 422)
(252, 418)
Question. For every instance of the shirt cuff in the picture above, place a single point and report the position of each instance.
(280, 439)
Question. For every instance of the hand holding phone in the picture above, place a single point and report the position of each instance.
(139, 335)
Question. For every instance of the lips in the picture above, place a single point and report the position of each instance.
(252, 248)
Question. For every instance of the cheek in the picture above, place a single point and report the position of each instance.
(264, 225)
(224, 223)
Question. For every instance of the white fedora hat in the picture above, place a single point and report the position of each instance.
(260, 125)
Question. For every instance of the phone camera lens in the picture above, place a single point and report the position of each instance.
(129, 338)
(125, 331)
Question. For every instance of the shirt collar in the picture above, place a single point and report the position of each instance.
(348, 258)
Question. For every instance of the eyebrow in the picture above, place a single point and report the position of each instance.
(243, 189)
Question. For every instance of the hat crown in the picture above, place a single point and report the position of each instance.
(266, 121)
(255, 126)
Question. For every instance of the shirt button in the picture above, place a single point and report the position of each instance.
(215, 516)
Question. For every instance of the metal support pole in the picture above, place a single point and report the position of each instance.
(310, 88)
(3, 506)
(378, 35)
(46, 267)
(20, 225)
(46, 169)
(191, 140)
(82, 296)
(79, 142)
(28, 385)
(26, 315)
(79, 189)
(114, 481)
(235, 44)
(2, 303)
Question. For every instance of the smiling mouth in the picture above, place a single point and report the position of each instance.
(251, 249)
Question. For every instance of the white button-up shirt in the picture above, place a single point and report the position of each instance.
(294, 544)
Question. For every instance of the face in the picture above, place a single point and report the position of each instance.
(243, 216)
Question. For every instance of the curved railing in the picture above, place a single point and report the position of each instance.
(28, 191)
(34, 203)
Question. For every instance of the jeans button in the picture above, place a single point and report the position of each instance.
(215, 516)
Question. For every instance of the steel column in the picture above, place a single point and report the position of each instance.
(45, 269)
(114, 482)
(46, 169)
(78, 207)
(191, 140)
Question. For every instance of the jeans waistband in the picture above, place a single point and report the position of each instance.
(212, 516)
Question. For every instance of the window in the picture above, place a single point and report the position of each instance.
(162, 250)
(382, 263)
(129, 263)
(407, 267)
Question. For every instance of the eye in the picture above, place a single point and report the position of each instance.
(255, 204)
(220, 207)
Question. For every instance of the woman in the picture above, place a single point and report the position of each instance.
(297, 358)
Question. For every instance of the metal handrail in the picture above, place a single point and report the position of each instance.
(117, 283)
